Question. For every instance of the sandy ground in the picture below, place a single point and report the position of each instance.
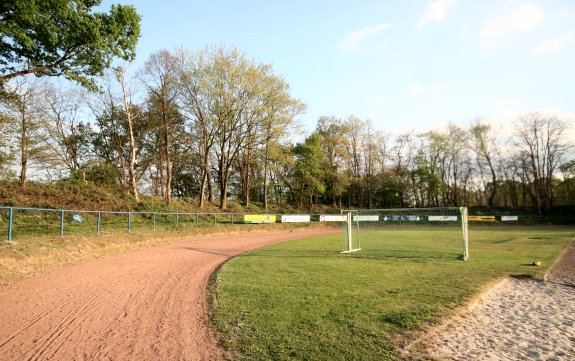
(516, 319)
(144, 305)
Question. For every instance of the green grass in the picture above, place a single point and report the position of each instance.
(302, 300)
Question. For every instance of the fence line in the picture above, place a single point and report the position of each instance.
(66, 219)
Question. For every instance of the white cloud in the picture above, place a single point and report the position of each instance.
(551, 44)
(353, 40)
(415, 89)
(523, 19)
(436, 12)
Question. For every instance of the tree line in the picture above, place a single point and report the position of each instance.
(212, 124)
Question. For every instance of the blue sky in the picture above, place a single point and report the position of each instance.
(414, 64)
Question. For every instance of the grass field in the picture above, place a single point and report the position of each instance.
(302, 300)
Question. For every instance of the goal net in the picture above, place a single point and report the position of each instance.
(406, 233)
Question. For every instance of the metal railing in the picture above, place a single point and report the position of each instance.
(58, 221)
(49, 221)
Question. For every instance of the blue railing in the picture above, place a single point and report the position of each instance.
(77, 217)
(58, 221)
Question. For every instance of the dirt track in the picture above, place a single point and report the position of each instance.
(144, 305)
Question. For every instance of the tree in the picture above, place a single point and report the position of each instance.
(308, 170)
(403, 155)
(195, 101)
(160, 79)
(355, 144)
(230, 101)
(132, 113)
(568, 171)
(484, 144)
(64, 38)
(122, 133)
(25, 111)
(334, 141)
(68, 136)
(541, 146)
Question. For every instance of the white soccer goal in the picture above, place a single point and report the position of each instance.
(407, 232)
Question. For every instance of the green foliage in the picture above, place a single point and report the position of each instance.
(308, 169)
(302, 300)
(65, 38)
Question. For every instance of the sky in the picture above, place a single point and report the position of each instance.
(405, 65)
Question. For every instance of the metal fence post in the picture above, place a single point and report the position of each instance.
(61, 223)
(232, 218)
(99, 222)
(10, 219)
(177, 219)
(215, 218)
(196, 219)
(129, 221)
(154, 222)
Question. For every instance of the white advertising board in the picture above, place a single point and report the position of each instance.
(365, 218)
(442, 218)
(332, 218)
(295, 218)
(509, 218)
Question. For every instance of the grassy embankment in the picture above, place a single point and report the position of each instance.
(301, 300)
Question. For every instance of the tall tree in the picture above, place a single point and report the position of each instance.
(122, 133)
(356, 128)
(568, 171)
(64, 38)
(540, 141)
(403, 155)
(229, 100)
(196, 101)
(132, 113)
(159, 76)
(68, 135)
(308, 170)
(483, 141)
(334, 141)
(25, 109)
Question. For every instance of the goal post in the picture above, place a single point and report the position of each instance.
(407, 232)
(352, 240)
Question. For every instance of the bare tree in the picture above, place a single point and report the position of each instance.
(196, 102)
(541, 145)
(67, 134)
(25, 111)
(356, 128)
(159, 76)
(485, 145)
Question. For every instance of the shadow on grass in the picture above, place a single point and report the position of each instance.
(404, 255)
(311, 253)
(264, 253)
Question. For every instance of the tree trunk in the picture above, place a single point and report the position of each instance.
(132, 169)
(203, 184)
(491, 200)
(224, 179)
(266, 180)
(24, 155)
(132, 164)
(169, 176)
